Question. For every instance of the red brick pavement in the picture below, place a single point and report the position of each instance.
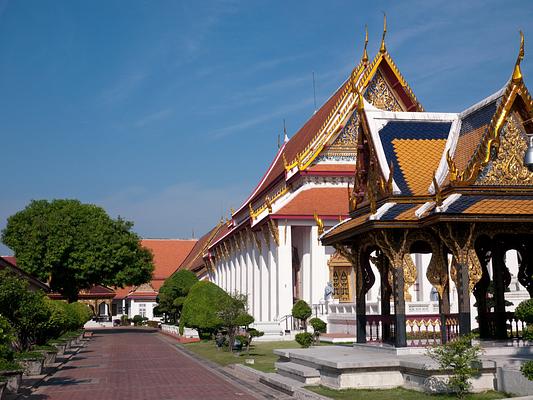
(135, 365)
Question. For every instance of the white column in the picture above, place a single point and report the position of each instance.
(305, 272)
(238, 267)
(273, 285)
(257, 283)
(250, 277)
(265, 281)
(244, 269)
(284, 269)
(319, 268)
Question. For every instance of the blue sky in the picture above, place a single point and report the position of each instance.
(167, 113)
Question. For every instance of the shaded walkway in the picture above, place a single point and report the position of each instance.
(135, 364)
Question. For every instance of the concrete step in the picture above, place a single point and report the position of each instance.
(299, 372)
(281, 383)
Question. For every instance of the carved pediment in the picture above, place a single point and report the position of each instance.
(506, 166)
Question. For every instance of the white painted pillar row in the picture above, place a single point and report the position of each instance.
(319, 271)
(250, 277)
(257, 283)
(265, 282)
(284, 270)
(305, 272)
(273, 287)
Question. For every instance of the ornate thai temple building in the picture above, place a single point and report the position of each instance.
(374, 186)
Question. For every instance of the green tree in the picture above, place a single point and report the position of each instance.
(301, 311)
(462, 358)
(74, 246)
(201, 308)
(24, 309)
(232, 314)
(319, 327)
(173, 293)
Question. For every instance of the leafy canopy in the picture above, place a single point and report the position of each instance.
(74, 246)
(173, 293)
(202, 306)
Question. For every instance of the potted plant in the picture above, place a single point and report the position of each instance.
(3, 384)
(49, 352)
(60, 345)
(31, 362)
(11, 373)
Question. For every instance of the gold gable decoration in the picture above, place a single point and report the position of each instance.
(508, 166)
(380, 95)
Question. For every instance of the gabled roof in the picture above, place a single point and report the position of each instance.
(10, 263)
(299, 153)
(168, 254)
(325, 202)
(195, 259)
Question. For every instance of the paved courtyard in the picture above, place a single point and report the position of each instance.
(135, 365)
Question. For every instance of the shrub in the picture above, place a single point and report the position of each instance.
(252, 333)
(527, 370)
(6, 339)
(24, 309)
(124, 320)
(81, 312)
(524, 311)
(9, 365)
(152, 324)
(201, 308)
(319, 327)
(56, 324)
(232, 314)
(173, 293)
(527, 333)
(461, 357)
(304, 339)
(139, 320)
(301, 311)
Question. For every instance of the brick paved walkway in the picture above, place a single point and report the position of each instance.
(135, 365)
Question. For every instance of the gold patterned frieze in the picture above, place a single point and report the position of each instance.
(508, 167)
(380, 95)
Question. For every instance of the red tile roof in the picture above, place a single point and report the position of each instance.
(195, 258)
(296, 144)
(168, 254)
(324, 201)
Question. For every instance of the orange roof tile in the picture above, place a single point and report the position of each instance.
(418, 160)
(195, 257)
(502, 206)
(341, 168)
(323, 201)
(168, 254)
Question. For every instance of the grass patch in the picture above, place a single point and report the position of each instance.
(397, 394)
(261, 352)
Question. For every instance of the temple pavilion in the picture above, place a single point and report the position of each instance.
(372, 185)
(453, 186)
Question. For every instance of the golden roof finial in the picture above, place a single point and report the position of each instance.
(383, 49)
(232, 211)
(436, 188)
(365, 54)
(319, 223)
(360, 102)
(251, 209)
(517, 73)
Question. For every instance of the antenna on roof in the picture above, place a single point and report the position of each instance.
(285, 136)
(193, 233)
(279, 144)
(314, 91)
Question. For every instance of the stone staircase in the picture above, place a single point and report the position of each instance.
(298, 372)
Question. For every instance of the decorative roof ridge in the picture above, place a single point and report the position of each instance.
(403, 81)
(214, 231)
(484, 102)
(265, 176)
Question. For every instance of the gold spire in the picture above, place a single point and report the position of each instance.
(365, 54)
(517, 73)
(360, 102)
(383, 49)
(319, 223)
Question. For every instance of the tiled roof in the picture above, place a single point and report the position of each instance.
(10, 259)
(335, 168)
(498, 205)
(168, 254)
(195, 258)
(415, 149)
(297, 143)
(324, 201)
(473, 127)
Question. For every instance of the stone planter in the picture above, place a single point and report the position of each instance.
(13, 379)
(32, 366)
(49, 357)
(61, 347)
(2, 387)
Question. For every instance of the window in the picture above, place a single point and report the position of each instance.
(142, 309)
